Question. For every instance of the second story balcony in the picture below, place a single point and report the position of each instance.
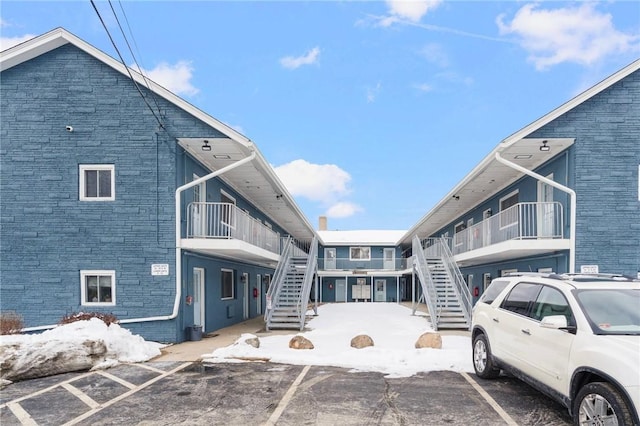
(225, 230)
(524, 229)
(340, 266)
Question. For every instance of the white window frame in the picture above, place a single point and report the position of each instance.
(506, 197)
(362, 249)
(83, 287)
(96, 167)
(233, 284)
(457, 241)
(230, 220)
(504, 272)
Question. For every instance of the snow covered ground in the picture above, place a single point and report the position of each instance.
(391, 326)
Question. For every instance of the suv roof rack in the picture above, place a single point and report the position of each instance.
(574, 276)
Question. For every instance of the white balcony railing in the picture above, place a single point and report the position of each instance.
(226, 221)
(346, 264)
(519, 222)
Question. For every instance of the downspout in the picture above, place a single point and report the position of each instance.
(179, 190)
(572, 198)
(176, 304)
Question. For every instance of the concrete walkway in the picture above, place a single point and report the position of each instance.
(193, 351)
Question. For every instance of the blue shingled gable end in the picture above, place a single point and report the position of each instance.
(48, 235)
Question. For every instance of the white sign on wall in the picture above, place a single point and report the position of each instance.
(589, 269)
(160, 269)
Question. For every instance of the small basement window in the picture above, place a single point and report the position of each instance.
(98, 287)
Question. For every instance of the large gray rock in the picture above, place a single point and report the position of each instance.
(429, 340)
(300, 342)
(361, 341)
(21, 362)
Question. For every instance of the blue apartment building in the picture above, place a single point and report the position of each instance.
(118, 196)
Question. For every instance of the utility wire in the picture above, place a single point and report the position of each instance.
(125, 65)
(155, 101)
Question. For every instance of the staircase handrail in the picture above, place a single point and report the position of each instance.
(278, 279)
(309, 273)
(428, 287)
(460, 286)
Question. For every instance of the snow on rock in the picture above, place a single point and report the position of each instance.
(81, 345)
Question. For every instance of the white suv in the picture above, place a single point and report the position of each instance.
(574, 337)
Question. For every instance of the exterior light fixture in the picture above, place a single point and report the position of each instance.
(206, 146)
(544, 147)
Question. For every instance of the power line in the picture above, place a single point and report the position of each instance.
(135, 61)
(125, 65)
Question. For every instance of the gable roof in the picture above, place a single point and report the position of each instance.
(490, 176)
(256, 181)
(361, 237)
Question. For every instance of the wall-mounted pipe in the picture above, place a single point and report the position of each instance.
(572, 200)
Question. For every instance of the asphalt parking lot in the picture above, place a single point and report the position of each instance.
(179, 393)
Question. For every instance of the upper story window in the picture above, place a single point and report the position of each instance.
(459, 227)
(510, 217)
(359, 253)
(98, 287)
(97, 182)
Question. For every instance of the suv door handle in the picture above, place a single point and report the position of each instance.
(495, 319)
(526, 331)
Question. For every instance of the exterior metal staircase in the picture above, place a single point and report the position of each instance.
(288, 296)
(443, 289)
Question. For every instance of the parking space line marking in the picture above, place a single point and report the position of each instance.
(116, 379)
(286, 398)
(492, 402)
(47, 389)
(80, 395)
(127, 394)
(22, 415)
(148, 367)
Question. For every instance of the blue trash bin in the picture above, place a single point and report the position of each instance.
(195, 333)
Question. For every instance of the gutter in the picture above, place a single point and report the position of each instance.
(176, 303)
(572, 197)
(179, 191)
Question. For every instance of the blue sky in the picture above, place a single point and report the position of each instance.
(370, 112)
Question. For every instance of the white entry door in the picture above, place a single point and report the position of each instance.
(198, 297)
(545, 211)
(245, 296)
(198, 212)
(389, 259)
(381, 291)
(259, 299)
(330, 258)
(341, 291)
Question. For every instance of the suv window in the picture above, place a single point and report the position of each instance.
(551, 302)
(494, 289)
(521, 297)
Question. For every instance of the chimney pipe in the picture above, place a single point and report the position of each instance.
(322, 223)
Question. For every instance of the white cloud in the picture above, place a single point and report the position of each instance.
(579, 34)
(343, 209)
(324, 183)
(423, 87)
(412, 10)
(176, 78)
(435, 54)
(311, 57)
(7, 42)
(372, 92)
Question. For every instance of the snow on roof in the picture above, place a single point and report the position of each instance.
(362, 237)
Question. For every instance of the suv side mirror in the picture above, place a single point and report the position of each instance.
(558, 322)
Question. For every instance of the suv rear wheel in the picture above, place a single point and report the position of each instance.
(482, 361)
(600, 403)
